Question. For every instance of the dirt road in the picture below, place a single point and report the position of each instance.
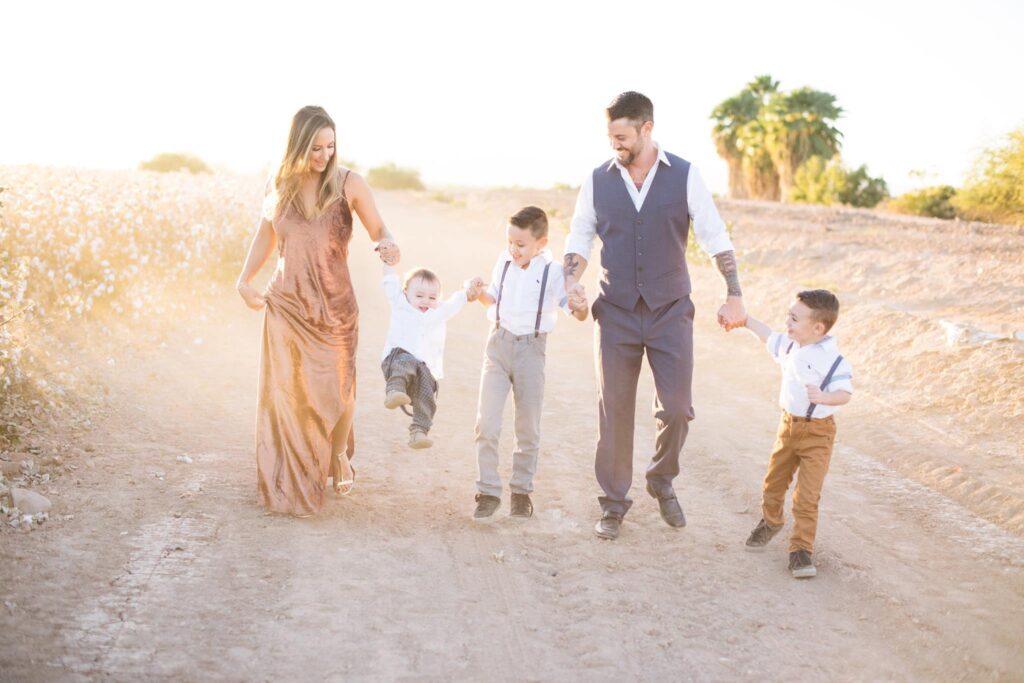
(168, 571)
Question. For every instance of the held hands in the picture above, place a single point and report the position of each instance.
(252, 298)
(577, 301)
(474, 288)
(732, 314)
(389, 252)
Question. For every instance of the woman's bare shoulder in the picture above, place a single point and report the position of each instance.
(348, 175)
(353, 184)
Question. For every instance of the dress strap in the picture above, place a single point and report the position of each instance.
(344, 179)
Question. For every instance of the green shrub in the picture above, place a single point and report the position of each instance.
(995, 188)
(391, 177)
(935, 201)
(862, 190)
(828, 182)
(168, 163)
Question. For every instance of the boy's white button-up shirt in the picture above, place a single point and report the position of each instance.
(803, 365)
(420, 333)
(520, 295)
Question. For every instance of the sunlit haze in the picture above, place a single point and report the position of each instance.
(488, 94)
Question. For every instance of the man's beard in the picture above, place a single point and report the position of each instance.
(631, 155)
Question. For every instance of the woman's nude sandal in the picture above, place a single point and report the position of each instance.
(342, 487)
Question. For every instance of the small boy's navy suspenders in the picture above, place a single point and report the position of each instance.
(824, 383)
(501, 286)
(540, 303)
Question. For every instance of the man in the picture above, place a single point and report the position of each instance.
(640, 204)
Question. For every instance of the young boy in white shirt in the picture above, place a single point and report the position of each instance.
(413, 357)
(526, 290)
(816, 380)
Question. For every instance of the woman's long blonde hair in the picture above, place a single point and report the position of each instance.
(306, 123)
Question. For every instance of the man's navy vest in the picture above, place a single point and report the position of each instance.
(643, 253)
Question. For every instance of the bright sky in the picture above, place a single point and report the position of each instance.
(481, 94)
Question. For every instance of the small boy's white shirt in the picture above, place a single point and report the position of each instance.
(803, 365)
(521, 293)
(420, 333)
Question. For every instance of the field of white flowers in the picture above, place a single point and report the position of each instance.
(81, 248)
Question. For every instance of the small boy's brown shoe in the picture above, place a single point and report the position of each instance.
(760, 536)
(801, 565)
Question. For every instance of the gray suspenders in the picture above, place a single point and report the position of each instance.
(824, 383)
(540, 303)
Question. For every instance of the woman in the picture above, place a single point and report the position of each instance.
(307, 383)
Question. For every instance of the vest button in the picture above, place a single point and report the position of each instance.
(640, 284)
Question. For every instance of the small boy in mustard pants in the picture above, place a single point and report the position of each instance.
(816, 380)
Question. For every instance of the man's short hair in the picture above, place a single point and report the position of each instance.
(823, 304)
(633, 106)
(533, 219)
(428, 276)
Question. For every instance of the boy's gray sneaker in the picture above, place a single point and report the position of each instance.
(760, 536)
(486, 506)
(801, 564)
(522, 506)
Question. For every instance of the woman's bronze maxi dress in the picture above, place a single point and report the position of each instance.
(307, 359)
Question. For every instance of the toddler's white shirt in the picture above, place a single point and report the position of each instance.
(420, 333)
(803, 365)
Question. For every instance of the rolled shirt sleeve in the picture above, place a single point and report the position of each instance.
(556, 283)
(708, 226)
(583, 227)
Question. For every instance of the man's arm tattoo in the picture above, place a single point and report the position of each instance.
(726, 262)
(571, 264)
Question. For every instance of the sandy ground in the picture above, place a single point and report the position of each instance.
(156, 569)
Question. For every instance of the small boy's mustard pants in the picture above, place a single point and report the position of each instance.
(804, 447)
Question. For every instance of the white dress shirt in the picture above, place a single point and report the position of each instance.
(520, 296)
(803, 365)
(707, 224)
(418, 332)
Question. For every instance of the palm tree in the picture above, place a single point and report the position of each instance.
(760, 176)
(763, 87)
(797, 126)
(731, 116)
